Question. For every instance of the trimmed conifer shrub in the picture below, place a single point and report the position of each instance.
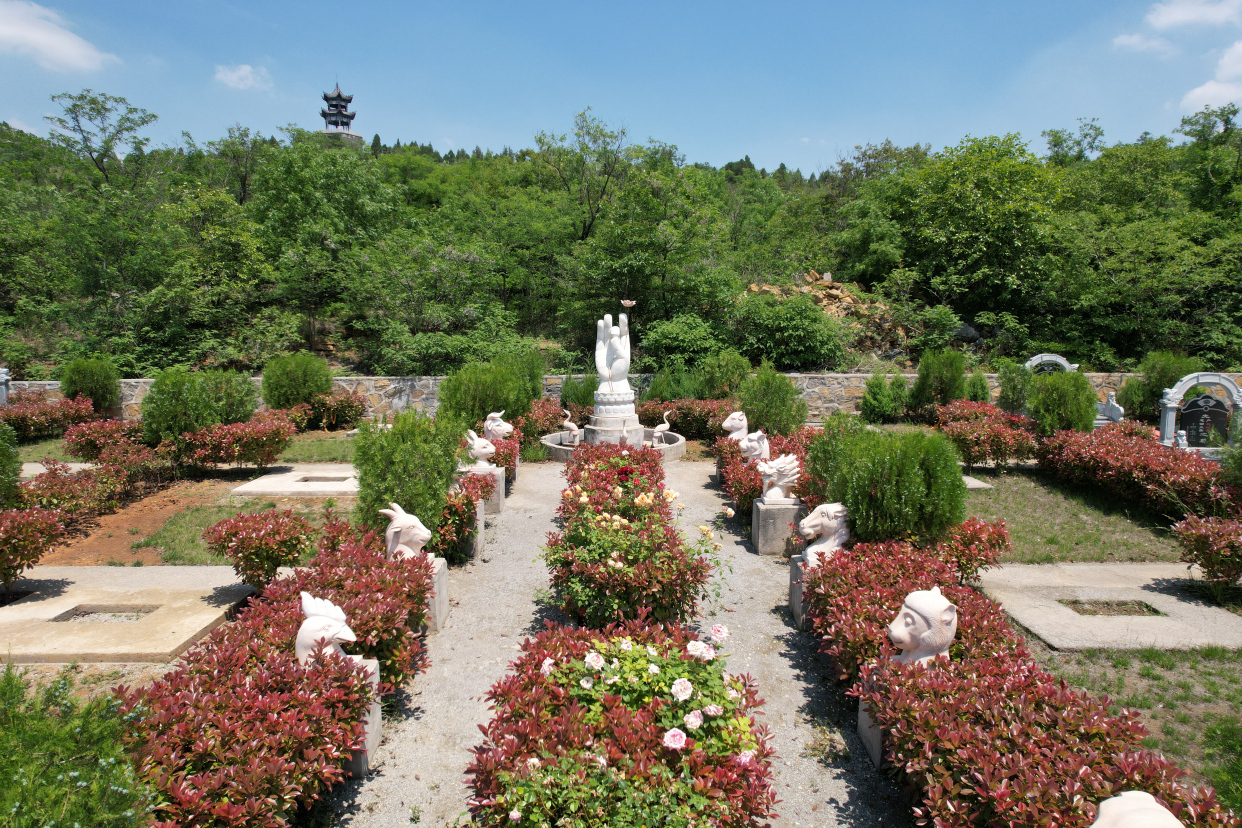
(772, 403)
(96, 378)
(294, 379)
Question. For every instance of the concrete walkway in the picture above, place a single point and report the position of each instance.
(424, 756)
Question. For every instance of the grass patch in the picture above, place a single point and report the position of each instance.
(62, 760)
(1050, 523)
(534, 453)
(53, 449)
(180, 540)
(319, 447)
(698, 451)
(1190, 701)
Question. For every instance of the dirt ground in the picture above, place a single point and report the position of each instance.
(110, 536)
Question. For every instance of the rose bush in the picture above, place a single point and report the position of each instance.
(633, 724)
(619, 554)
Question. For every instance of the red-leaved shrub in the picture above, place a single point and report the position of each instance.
(692, 419)
(1116, 458)
(851, 599)
(633, 724)
(545, 417)
(25, 536)
(259, 543)
(240, 734)
(457, 524)
(75, 495)
(1214, 544)
(257, 442)
(340, 409)
(983, 433)
(86, 440)
(34, 418)
(997, 741)
(507, 452)
(972, 545)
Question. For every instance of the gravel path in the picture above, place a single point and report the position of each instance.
(421, 764)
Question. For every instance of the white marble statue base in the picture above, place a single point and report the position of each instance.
(438, 601)
(796, 608)
(872, 736)
(771, 524)
(495, 504)
(359, 761)
(477, 544)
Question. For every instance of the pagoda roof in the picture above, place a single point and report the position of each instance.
(343, 116)
(337, 95)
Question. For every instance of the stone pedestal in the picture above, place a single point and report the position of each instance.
(513, 478)
(872, 736)
(477, 544)
(719, 472)
(614, 415)
(770, 524)
(795, 591)
(360, 760)
(438, 601)
(495, 504)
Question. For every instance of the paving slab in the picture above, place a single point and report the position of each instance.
(303, 480)
(1032, 594)
(115, 614)
(973, 483)
(33, 470)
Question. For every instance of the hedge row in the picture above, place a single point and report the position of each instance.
(986, 737)
(240, 734)
(619, 553)
(635, 724)
(1128, 461)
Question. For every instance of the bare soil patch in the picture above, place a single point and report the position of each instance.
(1111, 607)
(110, 538)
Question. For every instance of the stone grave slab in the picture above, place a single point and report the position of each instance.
(113, 613)
(1033, 595)
(303, 480)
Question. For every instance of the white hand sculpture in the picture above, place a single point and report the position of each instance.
(612, 350)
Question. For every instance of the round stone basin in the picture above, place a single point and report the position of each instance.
(673, 447)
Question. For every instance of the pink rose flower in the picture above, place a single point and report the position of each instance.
(714, 710)
(693, 719)
(595, 661)
(682, 689)
(746, 757)
(675, 739)
(719, 633)
(548, 664)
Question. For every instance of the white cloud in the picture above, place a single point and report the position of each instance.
(30, 29)
(805, 140)
(1143, 43)
(1225, 88)
(244, 76)
(1188, 12)
(18, 123)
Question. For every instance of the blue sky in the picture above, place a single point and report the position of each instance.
(798, 82)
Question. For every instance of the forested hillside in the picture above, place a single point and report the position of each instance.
(399, 260)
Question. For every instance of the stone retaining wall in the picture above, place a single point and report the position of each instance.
(824, 393)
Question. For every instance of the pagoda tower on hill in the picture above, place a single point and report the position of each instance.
(337, 119)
